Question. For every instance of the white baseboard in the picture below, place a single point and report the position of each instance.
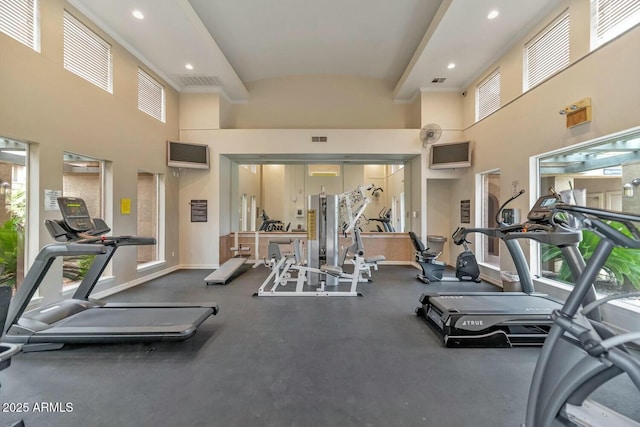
(198, 266)
(123, 286)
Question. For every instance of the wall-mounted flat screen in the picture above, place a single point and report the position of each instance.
(450, 155)
(187, 155)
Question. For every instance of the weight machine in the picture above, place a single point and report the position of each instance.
(323, 268)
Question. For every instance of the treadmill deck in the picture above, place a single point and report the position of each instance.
(122, 325)
(489, 319)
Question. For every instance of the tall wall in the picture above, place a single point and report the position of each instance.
(57, 111)
(323, 102)
(529, 124)
(225, 143)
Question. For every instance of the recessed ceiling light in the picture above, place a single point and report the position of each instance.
(137, 14)
(188, 67)
(493, 14)
(451, 66)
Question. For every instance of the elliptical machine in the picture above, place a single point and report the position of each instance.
(581, 354)
(384, 218)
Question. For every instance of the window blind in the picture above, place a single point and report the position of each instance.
(488, 95)
(548, 52)
(86, 54)
(610, 18)
(20, 20)
(150, 96)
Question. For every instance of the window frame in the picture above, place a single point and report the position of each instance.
(147, 102)
(22, 22)
(69, 157)
(484, 220)
(86, 54)
(553, 42)
(487, 98)
(158, 248)
(624, 19)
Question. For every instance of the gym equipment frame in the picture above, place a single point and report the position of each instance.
(581, 354)
(81, 319)
(323, 225)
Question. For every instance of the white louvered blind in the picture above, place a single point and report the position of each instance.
(150, 96)
(548, 52)
(20, 19)
(86, 54)
(488, 95)
(610, 18)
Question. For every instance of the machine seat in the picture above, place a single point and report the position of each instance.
(333, 270)
(374, 259)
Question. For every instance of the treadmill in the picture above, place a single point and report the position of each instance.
(81, 319)
(506, 319)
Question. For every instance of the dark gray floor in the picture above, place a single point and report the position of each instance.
(279, 362)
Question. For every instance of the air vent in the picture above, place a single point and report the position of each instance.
(318, 139)
(189, 80)
(438, 80)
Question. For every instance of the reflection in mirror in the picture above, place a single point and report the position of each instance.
(243, 213)
(598, 174)
(281, 191)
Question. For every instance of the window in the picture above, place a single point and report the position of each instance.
(20, 19)
(547, 53)
(13, 211)
(148, 221)
(488, 248)
(488, 95)
(83, 177)
(86, 54)
(150, 96)
(598, 174)
(610, 18)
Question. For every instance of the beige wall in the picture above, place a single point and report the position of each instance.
(200, 110)
(323, 101)
(511, 63)
(213, 185)
(57, 111)
(530, 124)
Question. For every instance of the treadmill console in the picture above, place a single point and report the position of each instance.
(541, 211)
(75, 214)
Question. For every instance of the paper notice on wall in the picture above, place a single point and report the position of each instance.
(198, 210)
(51, 199)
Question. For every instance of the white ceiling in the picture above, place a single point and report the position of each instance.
(233, 42)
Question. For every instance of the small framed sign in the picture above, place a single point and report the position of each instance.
(465, 211)
(198, 210)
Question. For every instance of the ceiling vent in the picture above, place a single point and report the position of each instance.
(190, 80)
(438, 80)
(318, 139)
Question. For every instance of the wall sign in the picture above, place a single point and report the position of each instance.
(465, 211)
(198, 210)
(51, 199)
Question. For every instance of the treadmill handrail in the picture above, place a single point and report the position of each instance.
(118, 240)
(596, 221)
(38, 271)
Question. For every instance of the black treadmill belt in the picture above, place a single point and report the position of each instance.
(153, 323)
(494, 304)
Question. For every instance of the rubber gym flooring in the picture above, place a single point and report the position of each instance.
(315, 361)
